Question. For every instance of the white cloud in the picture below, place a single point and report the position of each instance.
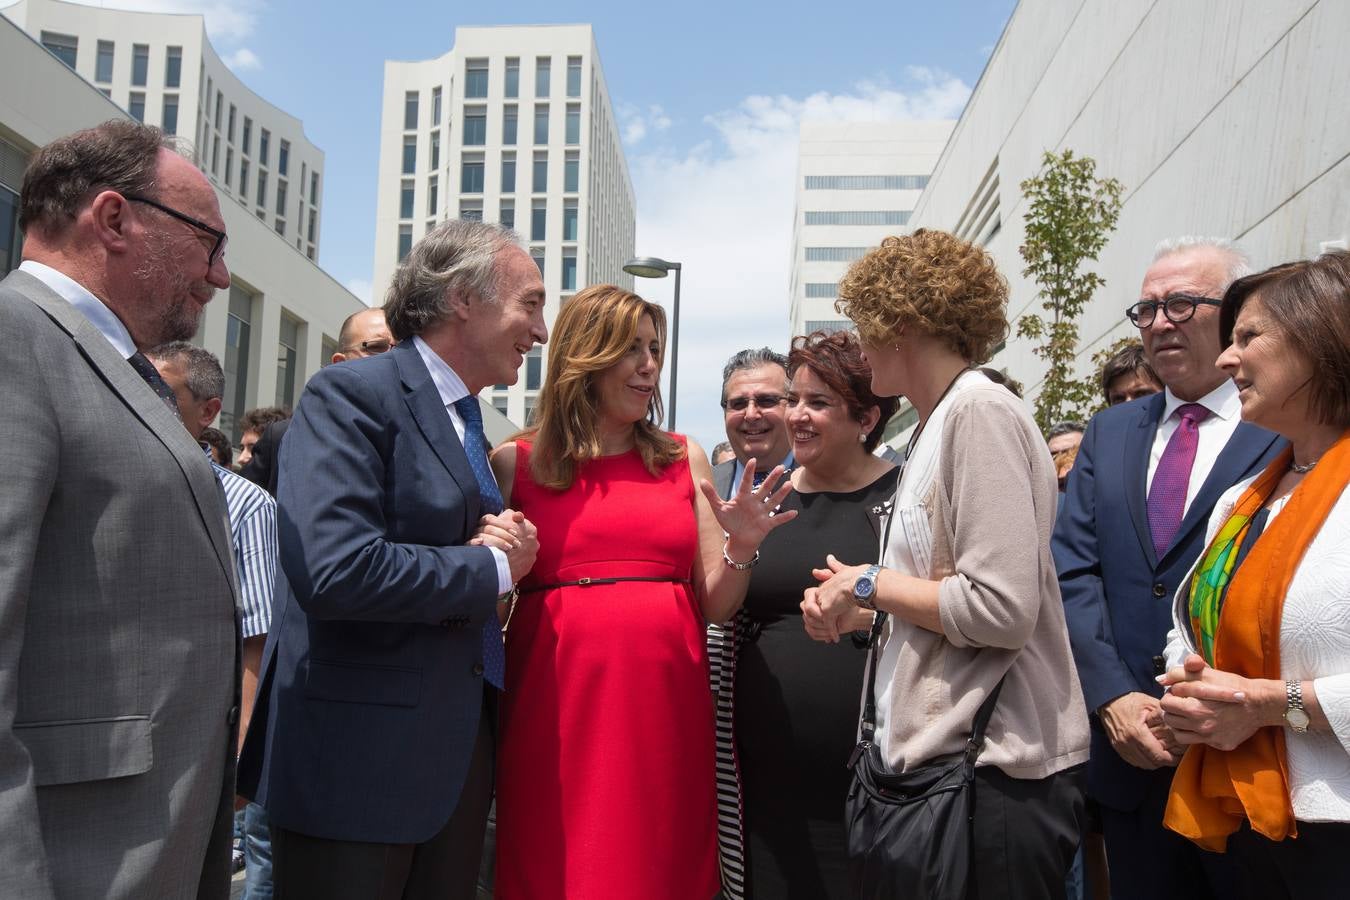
(723, 209)
(242, 60)
(361, 287)
(635, 123)
(224, 21)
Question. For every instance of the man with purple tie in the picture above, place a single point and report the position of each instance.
(1147, 475)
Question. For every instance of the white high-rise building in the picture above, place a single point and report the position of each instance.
(857, 182)
(514, 125)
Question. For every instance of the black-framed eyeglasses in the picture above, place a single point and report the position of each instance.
(217, 249)
(377, 346)
(1177, 308)
(761, 401)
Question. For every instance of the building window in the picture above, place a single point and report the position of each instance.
(512, 77)
(404, 241)
(10, 236)
(537, 254)
(405, 200)
(243, 178)
(571, 172)
(140, 65)
(229, 124)
(173, 66)
(574, 76)
(410, 111)
(302, 180)
(866, 182)
(475, 126)
(435, 107)
(821, 289)
(508, 173)
(475, 79)
(541, 123)
(229, 161)
(834, 254)
(471, 175)
(103, 64)
(409, 155)
(435, 150)
(829, 326)
(283, 157)
(510, 121)
(534, 368)
(541, 68)
(529, 410)
(314, 188)
(64, 47)
(471, 210)
(573, 124)
(220, 101)
(538, 220)
(570, 220)
(280, 226)
(264, 139)
(539, 179)
(857, 217)
(313, 226)
(507, 216)
(287, 359)
(247, 135)
(281, 197)
(433, 195)
(168, 119)
(136, 105)
(569, 270)
(262, 188)
(237, 326)
(499, 403)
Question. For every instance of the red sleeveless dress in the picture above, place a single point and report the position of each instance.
(605, 781)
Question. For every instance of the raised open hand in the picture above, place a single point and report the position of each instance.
(751, 513)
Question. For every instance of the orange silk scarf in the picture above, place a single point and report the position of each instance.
(1213, 790)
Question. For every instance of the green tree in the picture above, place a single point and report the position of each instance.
(1071, 213)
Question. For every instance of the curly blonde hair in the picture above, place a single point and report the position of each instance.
(933, 281)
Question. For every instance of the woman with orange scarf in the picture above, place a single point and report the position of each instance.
(1260, 679)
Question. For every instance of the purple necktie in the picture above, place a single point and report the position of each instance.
(1167, 496)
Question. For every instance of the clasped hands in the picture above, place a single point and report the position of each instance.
(513, 534)
(1204, 705)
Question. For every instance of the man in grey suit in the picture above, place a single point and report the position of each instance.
(118, 635)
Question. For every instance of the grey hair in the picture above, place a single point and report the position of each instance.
(752, 359)
(457, 255)
(1239, 262)
(205, 378)
(1068, 426)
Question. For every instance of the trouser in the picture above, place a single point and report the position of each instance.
(1313, 866)
(1026, 834)
(257, 854)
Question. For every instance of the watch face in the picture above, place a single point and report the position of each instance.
(864, 587)
(1297, 718)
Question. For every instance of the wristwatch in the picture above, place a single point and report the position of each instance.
(1294, 714)
(865, 588)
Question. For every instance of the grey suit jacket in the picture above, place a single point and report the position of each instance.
(118, 630)
(721, 480)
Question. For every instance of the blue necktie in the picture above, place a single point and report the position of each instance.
(476, 447)
(146, 369)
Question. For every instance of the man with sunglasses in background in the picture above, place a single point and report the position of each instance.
(119, 644)
(1147, 475)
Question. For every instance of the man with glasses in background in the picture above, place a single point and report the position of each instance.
(1147, 475)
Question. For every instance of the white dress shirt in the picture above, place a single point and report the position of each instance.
(1225, 412)
(452, 388)
(89, 306)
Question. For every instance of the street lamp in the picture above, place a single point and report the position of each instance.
(652, 267)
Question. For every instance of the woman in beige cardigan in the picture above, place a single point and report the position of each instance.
(966, 575)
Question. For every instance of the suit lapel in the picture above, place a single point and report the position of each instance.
(146, 405)
(428, 410)
(1137, 446)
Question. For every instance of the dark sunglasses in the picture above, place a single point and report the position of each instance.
(377, 346)
(761, 401)
(217, 249)
(1177, 308)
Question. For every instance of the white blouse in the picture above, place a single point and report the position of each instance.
(1314, 646)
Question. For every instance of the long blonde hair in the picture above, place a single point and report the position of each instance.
(593, 331)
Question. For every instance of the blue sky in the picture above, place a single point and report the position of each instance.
(708, 95)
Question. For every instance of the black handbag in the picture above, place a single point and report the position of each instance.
(910, 834)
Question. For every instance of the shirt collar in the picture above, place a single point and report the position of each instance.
(89, 306)
(739, 468)
(1223, 402)
(449, 385)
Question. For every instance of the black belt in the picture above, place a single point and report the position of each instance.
(587, 582)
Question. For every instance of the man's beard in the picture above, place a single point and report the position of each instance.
(168, 292)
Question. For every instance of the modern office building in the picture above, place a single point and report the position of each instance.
(67, 67)
(514, 125)
(857, 182)
(1220, 119)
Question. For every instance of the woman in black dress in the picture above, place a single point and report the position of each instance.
(796, 700)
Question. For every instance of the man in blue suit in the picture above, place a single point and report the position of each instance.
(371, 743)
(1147, 476)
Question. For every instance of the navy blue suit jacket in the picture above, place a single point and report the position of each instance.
(1117, 592)
(371, 690)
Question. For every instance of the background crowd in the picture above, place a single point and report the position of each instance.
(1127, 639)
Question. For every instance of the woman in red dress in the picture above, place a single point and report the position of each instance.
(605, 783)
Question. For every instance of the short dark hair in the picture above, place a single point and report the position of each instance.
(260, 418)
(998, 376)
(752, 359)
(221, 451)
(1309, 301)
(205, 377)
(119, 155)
(1068, 426)
(1128, 359)
(837, 358)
